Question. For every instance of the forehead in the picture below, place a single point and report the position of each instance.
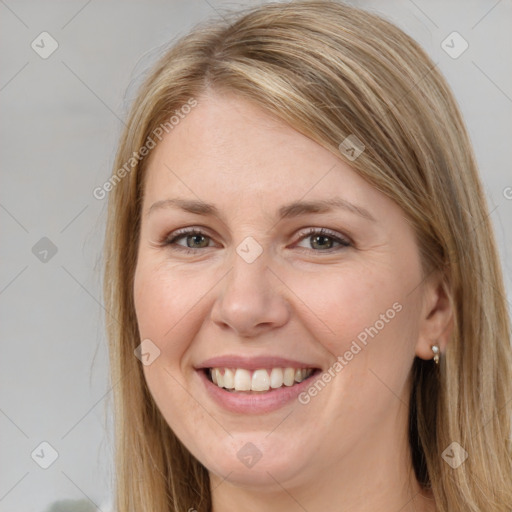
(230, 153)
(226, 142)
(230, 135)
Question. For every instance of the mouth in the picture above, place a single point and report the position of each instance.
(258, 381)
(259, 384)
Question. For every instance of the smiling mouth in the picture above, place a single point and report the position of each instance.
(258, 381)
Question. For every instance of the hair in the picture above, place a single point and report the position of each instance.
(330, 70)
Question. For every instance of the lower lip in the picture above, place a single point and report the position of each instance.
(255, 403)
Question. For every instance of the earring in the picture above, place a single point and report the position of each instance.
(435, 350)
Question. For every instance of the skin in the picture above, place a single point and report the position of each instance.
(347, 449)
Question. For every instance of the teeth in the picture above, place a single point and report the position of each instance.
(229, 379)
(240, 379)
(260, 380)
(220, 378)
(289, 376)
(276, 378)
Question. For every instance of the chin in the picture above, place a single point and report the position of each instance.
(248, 467)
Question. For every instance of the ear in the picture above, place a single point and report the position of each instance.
(437, 317)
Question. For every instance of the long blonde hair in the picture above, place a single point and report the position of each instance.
(331, 70)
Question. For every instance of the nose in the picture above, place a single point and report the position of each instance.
(250, 300)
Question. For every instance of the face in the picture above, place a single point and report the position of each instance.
(240, 267)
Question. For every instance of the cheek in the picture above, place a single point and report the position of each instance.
(163, 301)
(367, 322)
(345, 302)
(165, 307)
(368, 319)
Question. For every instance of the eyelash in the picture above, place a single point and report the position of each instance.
(173, 237)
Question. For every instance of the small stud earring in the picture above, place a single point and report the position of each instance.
(435, 350)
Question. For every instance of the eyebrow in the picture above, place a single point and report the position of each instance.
(294, 209)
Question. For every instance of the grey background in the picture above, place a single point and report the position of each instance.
(60, 121)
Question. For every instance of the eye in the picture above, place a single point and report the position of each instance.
(194, 239)
(323, 240)
(320, 239)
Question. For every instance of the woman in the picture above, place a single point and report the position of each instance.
(310, 312)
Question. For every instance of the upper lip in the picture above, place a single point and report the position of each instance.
(252, 363)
